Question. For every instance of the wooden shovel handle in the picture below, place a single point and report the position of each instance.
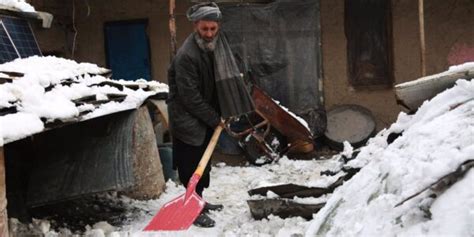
(210, 148)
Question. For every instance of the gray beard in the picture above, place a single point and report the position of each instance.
(206, 46)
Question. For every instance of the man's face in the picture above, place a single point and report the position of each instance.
(207, 30)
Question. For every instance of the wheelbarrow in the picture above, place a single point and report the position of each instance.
(257, 139)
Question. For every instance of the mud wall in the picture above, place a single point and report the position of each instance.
(449, 31)
(449, 35)
(87, 26)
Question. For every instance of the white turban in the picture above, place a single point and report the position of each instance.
(204, 11)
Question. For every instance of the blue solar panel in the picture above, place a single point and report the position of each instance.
(7, 50)
(22, 36)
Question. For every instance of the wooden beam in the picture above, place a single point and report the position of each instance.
(421, 18)
(172, 26)
(234, 1)
(3, 197)
(162, 108)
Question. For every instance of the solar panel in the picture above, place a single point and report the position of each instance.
(7, 50)
(22, 36)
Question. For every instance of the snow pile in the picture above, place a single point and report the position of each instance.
(461, 67)
(19, 5)
(433, 143)
(48, 70)
(41, 94)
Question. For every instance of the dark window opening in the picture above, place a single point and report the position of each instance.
(369, 44)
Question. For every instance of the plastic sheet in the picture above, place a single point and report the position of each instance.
(279, 44)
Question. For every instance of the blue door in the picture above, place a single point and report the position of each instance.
(127, 49)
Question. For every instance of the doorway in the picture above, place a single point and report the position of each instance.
(127, 49)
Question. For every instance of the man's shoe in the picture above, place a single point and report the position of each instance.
(212, 207)
(203, 220)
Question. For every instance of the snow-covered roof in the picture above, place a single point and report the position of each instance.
(38, 91)
(16, 5)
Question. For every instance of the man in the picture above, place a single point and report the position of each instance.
(192, 104)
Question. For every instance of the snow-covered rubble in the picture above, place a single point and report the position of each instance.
(433, 143)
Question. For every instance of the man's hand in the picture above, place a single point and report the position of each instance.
(222, 123)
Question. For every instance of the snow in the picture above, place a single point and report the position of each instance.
(19, 125)
(33, 102)
(432, 143)
(229, 186)
(461, 67)
(19, 5)
(298, 118)
(450, 210)
(44, 71)
(348, 149)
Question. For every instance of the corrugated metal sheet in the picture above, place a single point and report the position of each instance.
(83, 158)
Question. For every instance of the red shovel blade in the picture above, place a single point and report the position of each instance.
(180, 213)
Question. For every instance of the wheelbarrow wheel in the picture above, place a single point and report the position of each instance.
(254, 152)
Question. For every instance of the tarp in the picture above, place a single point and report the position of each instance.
(279, 43)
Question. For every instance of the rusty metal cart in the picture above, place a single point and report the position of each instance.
(256, 139)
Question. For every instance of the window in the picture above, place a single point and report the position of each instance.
(369, 46)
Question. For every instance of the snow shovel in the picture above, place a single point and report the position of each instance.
(180, 213)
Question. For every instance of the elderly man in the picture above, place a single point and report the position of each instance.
(193, 104)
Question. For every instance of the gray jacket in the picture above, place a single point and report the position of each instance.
(192, 101)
